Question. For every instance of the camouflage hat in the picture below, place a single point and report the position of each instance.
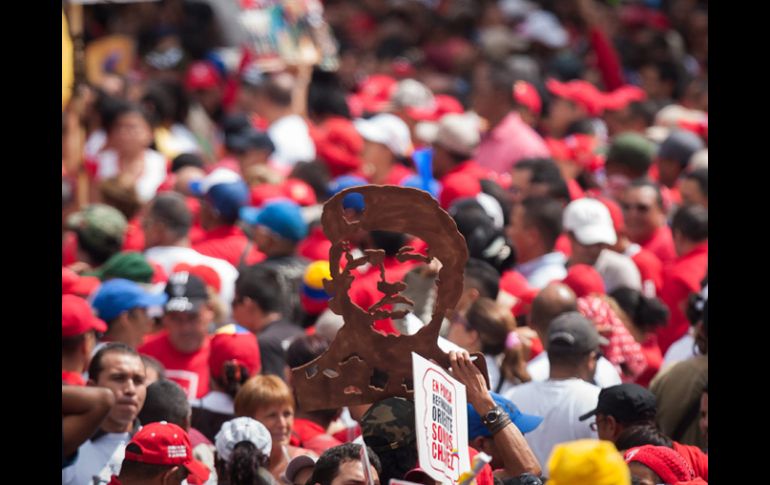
(632, 150)
(129, 265)
(99, 225)
(389, 424)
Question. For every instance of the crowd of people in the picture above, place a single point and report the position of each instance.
(567, 140)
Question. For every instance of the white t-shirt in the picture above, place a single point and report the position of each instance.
(92, 458)
(170, 256)
(540, 370)
(292, 142)
(560, 403)
(682, 349)
(154, 173)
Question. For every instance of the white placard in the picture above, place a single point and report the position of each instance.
(441, 421)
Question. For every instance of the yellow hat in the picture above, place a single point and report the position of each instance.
(587, 462)
(315, 274)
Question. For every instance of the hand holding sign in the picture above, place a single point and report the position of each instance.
(468, 374)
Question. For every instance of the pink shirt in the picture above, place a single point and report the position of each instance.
(507, 143)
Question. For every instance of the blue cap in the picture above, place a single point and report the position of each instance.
(118, 295)
(351, 201)
(224, 189)
(524, 422)
(282, 216)
(417, 182)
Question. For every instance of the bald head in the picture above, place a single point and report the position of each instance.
(552, 301)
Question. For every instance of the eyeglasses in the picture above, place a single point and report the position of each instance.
(638, 207)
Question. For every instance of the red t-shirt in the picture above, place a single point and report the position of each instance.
(315, 246)
(679, 280)
(313, 437)
(650, 269)
(72, 378)
(134, 239)
(191, 371)
(471, 169)
(698, 460)
(654, 360)
(228, 243)
(563, 245)
(661, 244)
(397, 174)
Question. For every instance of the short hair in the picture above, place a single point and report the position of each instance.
(261, 284)
(305, 348)
(692, 222)
(324, 99)
(328, 464)
(186, 160)
(701, 177)
(123, 108)
(646, 110)
(316, 175)
(278, 89)
(567, 359)
(545, 214)
(640, 435)
(95, 367)
(261, 392)
(545, 171)
(144, 471)
(670, 71)
(492, 322)
(152, 362)
(483, 277)
(644, 182)
(123, 198)
(390, 242)
(170, 209)
(165, 401)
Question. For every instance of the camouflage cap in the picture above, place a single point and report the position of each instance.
(631, 149)
(389, 424)
(99, 225)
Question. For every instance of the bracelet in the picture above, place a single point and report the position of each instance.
(504, 421)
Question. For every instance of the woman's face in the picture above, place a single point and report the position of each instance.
(279, 420)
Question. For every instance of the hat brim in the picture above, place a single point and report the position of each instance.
(370, 132)
(250, 215)
(527, 422)
(588, 414)
(595, 234)
(198, 470)
(153, 299)
(295, 465)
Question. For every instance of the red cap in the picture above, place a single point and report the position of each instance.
(234, 343)
(517, 285)
(579, 92)
(579, 149)
(616, 213)
(165, 443)
(339, 145)
(526, 95)
(458, 186)
(74, 284)
(622, 96)
(584, 280)
(206, 273)
(669, 465)
(263, 192)
(443, 105)
(374, 92)
(77, 317)
(202, 75)
(299, 191)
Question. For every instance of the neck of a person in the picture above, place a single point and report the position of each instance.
(119, 333)
(278, 457)
(532, 252)
(498, 116)
(73, 363)
(685, 246)
(561, 373)
(275, 113)
(267, 320)
(180, 243)
(111, 426)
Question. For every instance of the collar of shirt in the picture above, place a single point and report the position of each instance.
(530, 267)
(222, 232)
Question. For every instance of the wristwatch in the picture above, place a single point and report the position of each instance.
(493, 416)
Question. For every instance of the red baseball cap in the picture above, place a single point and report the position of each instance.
(517, 285)
(579, 92)
(374, 93)
(234, 343)
(622, 96)
(526, 95)
(74, 284)
(339, 145)
(263, 192)
(458, 186)
(584, 280)
(202, 75)
(299, 191)
(444, 104)
(77, 317)
(165, 443)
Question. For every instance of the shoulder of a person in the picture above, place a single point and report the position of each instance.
(154, 343)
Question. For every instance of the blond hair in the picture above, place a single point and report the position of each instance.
(261, 392)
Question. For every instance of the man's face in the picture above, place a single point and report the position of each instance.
(124, 375)
(669, 171)
(584, 254)
(520, 185)
(518, 231)
(562, 114)
(187, 330)
(691, 194)
(377, 160)
(131, 133)
(604, 428)
(442, 162)
(460, 333)
(641, 212)
(140, 322)
(351, 472)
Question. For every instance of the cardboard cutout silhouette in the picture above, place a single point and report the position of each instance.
(363, 365)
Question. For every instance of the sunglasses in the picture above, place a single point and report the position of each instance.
(638, 207)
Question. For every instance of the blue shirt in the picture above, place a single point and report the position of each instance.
(543, 270)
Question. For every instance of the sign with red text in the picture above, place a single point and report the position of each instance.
(441, 421)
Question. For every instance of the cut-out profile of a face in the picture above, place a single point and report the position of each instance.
(362, 365)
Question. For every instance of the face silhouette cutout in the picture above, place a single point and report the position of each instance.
(363, 365)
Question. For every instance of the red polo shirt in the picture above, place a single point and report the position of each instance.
(679, 280)
(661, 244)
(312, 436)
(228, 243)
(72, 378)
(191, 371)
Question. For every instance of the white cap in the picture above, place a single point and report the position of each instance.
(458, 133)
(388, 129)
(217, 177)
(590, 222)
(699, 159)
(242, 429)
(410, 93)
(544, 27)
(295, 465)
